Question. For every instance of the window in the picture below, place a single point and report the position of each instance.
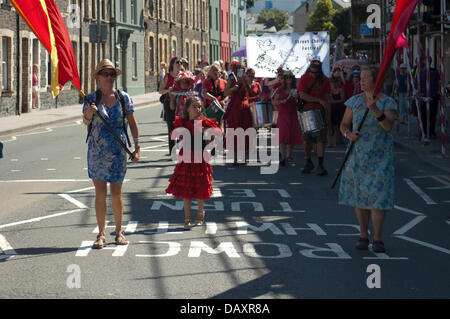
(217, 19)
(173, 10)
(160, 9)
(186, 11)
(133, 10)
(269, 5)
(134, 59)
(187, 51)
(123, 11)
(93, 9)
(174, 47)
(152, 54)
(5, 71)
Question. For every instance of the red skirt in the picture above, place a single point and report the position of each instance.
(191, 180)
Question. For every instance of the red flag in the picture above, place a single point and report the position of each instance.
(45, 20)
(402, 14)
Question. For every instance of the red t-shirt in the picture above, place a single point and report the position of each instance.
(319, 90)
(220, 89)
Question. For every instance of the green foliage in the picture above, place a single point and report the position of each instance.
(250, 3)
(276, 17)
(322, 19)
(342, 21)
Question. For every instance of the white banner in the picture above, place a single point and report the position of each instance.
(292, 51)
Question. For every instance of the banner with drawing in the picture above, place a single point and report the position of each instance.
(292, 51)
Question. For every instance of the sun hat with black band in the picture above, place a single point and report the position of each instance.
(105, 64)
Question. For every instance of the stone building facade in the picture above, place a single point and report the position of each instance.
(174, 28)
(20, 50)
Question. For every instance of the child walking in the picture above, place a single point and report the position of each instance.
(192, 178)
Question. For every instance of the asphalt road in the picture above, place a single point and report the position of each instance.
(280, 235)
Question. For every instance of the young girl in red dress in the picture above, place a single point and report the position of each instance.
(192, 178)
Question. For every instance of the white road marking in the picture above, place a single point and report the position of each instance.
(73, 201)
(51, 169)
(44, 180)
(38, 219)
(44, 159)
(8, 251)
(443, 250)
(419, 192)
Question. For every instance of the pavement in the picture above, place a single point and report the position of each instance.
(430, 154)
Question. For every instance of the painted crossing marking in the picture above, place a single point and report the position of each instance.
(419, 192)
(8, 251)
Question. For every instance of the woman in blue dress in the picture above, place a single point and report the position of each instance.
(367, 181)
(107, 161)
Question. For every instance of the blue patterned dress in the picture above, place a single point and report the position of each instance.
(368, 177)
(107, 161)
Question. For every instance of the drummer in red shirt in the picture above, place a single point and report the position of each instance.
(318, 86)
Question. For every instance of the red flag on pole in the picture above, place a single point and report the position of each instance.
(402, 14)
(45, 20)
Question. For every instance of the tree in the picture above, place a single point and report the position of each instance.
(322, 19)
(342, 21)
(274, 17)
(250, 3)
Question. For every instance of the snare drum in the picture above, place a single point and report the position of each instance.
(311, 122)
(214, 111)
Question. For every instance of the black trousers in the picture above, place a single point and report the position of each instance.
(434, 106)
(169, 117)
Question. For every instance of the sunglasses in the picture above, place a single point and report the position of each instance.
(178, 62)
(106, 74)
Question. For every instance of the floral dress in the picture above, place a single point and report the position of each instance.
(368, 176)
(107, 160)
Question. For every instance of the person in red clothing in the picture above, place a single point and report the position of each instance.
(183, 83)
(165, 88)
(318, 86)
(337, 108)
(192, 179)
(245, 91)
(213, 88)
(289, 130)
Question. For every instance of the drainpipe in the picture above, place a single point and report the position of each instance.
(18, 109)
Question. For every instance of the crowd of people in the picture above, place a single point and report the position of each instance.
(220, 96)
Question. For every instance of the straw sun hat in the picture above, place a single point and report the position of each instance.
(105, 64)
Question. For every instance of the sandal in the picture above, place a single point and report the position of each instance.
(200, 219)
(187, 224)
(290, 162)
(120, 239)
(100, 242)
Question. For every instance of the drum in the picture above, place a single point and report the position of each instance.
(311, 122)
(214, 111)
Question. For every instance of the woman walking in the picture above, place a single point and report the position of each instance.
(367, 181)
(289, 130)
(192, 179)
(107, 161)
(164, 89)
(239, 115)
